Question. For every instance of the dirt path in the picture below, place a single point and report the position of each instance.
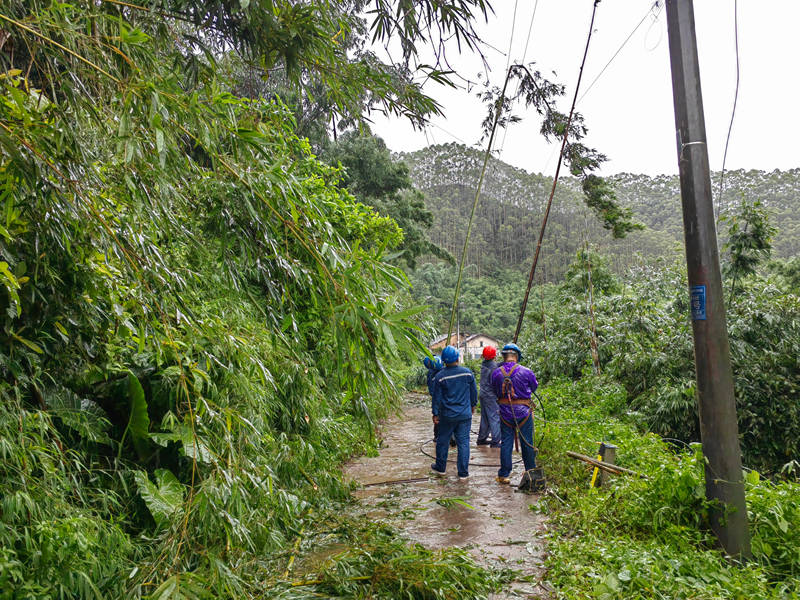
(502, 527)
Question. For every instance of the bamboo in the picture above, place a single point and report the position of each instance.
(609, 468)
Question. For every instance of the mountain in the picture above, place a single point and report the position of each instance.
(509, 213)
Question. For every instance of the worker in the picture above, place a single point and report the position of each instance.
(454, 398)
(514, 385)
(434, 365)
(490, 416)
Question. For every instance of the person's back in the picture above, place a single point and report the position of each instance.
(454, 398)
(454, 392)
(523, 382)
(433, 366)
(514, 386)
(490, 416)
(487, 390)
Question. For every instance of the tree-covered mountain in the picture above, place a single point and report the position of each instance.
(512, 202)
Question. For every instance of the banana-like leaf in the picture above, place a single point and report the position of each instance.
(139, 422)
(164, 498)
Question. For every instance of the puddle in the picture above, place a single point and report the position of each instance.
(500, 528)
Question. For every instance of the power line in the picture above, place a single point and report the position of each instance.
(555, 178)
(452, 135)
(480, 179)
(655, 5)
(733, 112)
(524, 56)
(511, 41)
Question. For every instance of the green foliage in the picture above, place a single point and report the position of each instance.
(645, 344)
(376, 179)
(488, 304)
(512, 203)
(646, 538)
(164, 498)
(749, 240)
(536, 92)
(601, 199)
(374, 564)
(139, 421)
(198, 323)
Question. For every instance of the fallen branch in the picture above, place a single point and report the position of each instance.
(604, 466)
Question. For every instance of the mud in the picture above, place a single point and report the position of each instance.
(495, 523)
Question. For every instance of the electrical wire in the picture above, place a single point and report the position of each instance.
(488, 153)
(524, 57)
(471, 464)
(555, 178)
(733, 112)
(655, 5)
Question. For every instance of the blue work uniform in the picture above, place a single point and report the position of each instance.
(432, 371)
(454, 398)
(490, 416)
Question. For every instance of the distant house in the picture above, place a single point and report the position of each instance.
(438, 343)
(469, 344)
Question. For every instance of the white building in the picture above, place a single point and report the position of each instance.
(469, 344)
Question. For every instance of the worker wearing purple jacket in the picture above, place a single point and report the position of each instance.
(514, 385)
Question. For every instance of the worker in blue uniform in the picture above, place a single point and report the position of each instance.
(452, 405)
(434, 365)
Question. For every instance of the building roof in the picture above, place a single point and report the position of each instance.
(466, 337)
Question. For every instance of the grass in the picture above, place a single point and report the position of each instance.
(650, 538)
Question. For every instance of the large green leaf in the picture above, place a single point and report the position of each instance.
(164, 498)
(139, 422)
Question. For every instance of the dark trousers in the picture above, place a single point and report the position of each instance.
(461, 430)
(525, 445)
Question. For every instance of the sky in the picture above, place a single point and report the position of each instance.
(629, 108)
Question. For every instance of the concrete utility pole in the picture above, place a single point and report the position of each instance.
(717, 407)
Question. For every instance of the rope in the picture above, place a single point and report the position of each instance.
(555, 179)
(471, 464)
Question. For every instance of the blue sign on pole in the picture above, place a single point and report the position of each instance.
(698, 293)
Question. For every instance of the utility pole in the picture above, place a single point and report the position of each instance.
(717, 407)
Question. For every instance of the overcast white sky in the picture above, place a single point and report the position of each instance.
(629, 110)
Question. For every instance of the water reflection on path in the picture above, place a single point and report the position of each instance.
(500, 528)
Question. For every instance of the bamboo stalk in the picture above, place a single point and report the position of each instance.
(608, 467)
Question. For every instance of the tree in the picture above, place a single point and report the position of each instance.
(376, 179)
(749, 242)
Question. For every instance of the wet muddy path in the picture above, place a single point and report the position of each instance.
(499, 527)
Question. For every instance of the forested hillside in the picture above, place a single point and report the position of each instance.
(510, 211)
(212, 279)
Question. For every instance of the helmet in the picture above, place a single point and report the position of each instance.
(449, 355)
(437, 363)
(512, 348)
(428, 362)
(489, 352)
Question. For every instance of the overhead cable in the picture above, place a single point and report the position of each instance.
(656, 5)
(733, 112)
(555, 178)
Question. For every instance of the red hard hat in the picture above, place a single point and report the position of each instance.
(489, 352)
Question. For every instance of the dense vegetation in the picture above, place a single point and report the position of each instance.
(199, 321)
(205, 308)
(641, 538)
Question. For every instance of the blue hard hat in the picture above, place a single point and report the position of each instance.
(449, 355)
(512, 348)
(428, 362)
(437, 363)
